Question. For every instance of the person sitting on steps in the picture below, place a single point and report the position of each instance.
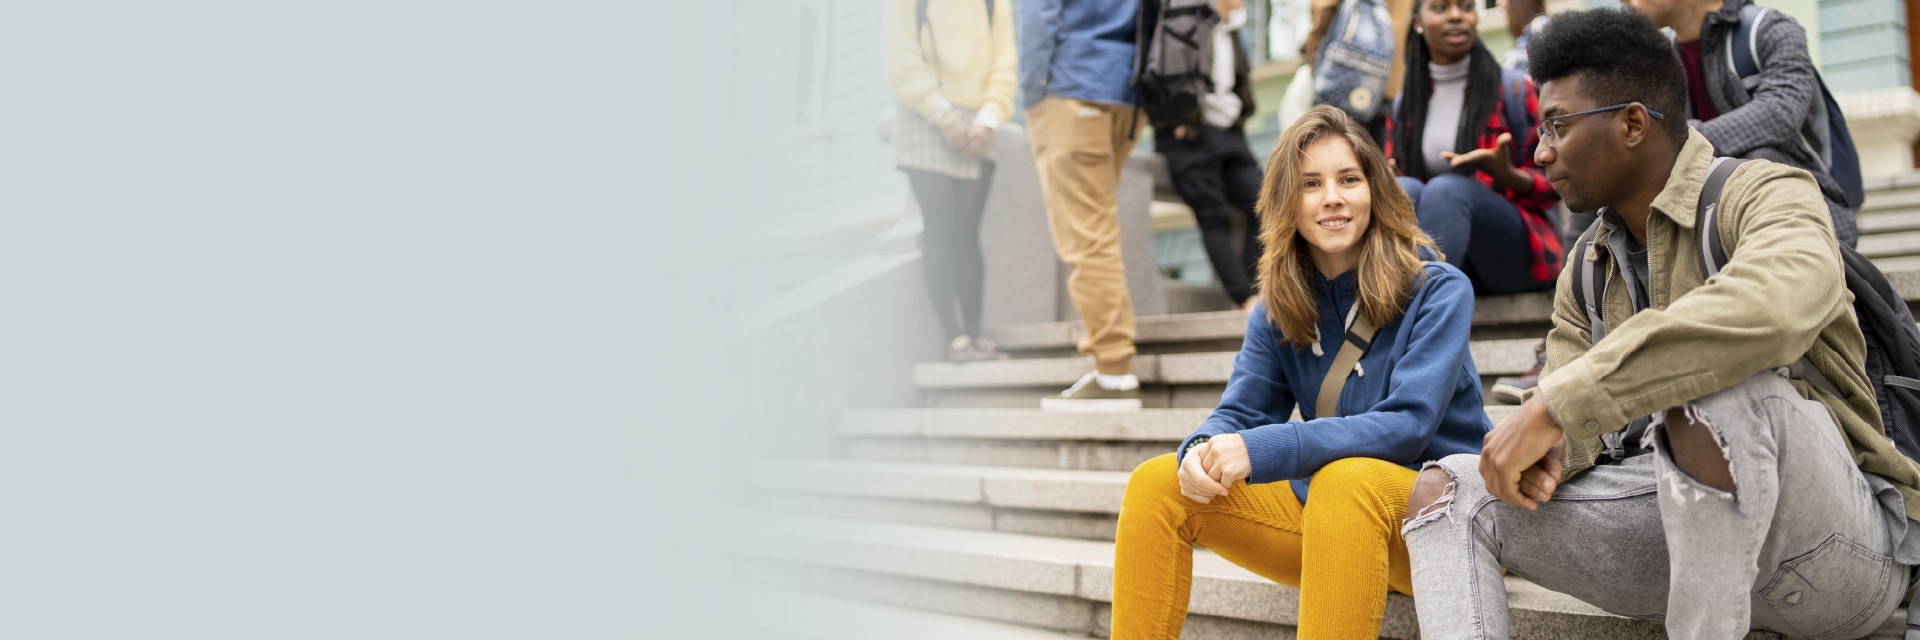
(1461, 136)
(1342, 256)
(1680, 466)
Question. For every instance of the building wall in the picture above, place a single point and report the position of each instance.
(1864, 44)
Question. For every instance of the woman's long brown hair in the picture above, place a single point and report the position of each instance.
(1389, 249)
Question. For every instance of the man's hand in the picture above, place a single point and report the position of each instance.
(1195, 484)
(1491, 160)
(955, 133)
(979, 141)
(1226, 460)
(1539, 480)
(1518, 449)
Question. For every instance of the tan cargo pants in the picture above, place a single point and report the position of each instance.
(1080, 148)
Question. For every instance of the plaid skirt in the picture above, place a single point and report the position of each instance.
(918, 144)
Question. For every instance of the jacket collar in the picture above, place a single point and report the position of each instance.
(1679, 200)
(1341, 285)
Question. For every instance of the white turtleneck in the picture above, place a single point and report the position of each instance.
(1443, 114)
(1222, 107)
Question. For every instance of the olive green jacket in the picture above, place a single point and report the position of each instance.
(1781, 295)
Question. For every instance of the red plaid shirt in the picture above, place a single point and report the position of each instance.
(1543, 238)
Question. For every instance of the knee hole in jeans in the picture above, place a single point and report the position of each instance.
(1433, 492)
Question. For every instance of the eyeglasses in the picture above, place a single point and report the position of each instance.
(1550, 127)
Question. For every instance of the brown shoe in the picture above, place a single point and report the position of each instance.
(1513, 389)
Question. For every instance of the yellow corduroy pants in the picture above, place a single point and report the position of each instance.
(1343, 554)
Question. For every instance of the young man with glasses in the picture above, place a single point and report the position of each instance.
(1759, 499)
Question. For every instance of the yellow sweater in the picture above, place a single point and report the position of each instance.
(975, 68)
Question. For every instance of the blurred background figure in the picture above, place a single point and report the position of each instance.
(1760, 97)
(1400, 12)
(1524, 18)
(951, 64)
(1076, 78)
(1212, 167)
(1462, 136)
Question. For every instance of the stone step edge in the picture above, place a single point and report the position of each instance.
(1039, 564)
(813, 616)
(1231, 325)
(1067, 490)
(1148, 425)
(1490, 357)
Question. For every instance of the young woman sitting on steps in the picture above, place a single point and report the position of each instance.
(1342, 248)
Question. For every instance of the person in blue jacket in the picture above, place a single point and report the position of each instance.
(1342, 244)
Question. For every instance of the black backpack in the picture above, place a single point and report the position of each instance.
(1893, 342)
(1836, 152)
(1172, 57)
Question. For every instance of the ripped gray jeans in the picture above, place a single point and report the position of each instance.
(1811, 548)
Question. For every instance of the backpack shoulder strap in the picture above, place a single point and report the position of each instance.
(1743, 42)
(1359, 338)
(1586, 277)
(1706, 226)
(1513, 97)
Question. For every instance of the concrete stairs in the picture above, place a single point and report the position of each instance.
(978, 515)
(1889, 221)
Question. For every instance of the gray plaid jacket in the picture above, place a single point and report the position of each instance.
(1771, 124)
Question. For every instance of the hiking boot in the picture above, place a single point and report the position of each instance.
(1513, 389)
(970, 349)
(1088, 395)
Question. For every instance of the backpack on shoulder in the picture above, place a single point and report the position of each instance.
(1355, 59)
(1835, 150)
(1893, 342)
(1172, 57)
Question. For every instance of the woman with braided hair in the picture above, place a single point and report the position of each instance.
(1453, 138)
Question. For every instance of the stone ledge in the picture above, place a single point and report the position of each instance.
(1232, 325)
(1151, 425)
(1009, 487)
(1038, 565)
(813, 616)
(1490, 357)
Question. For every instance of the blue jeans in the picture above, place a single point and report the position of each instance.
(1479, 231)
(1810, 546)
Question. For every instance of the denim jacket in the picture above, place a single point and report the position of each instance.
(1080, 49)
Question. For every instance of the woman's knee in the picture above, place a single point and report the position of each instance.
(1451, 189)
(1412, 187)
(1159, 475)
(1366, 481)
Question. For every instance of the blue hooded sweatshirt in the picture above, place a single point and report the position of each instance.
(1080, 49)
(1415, 396)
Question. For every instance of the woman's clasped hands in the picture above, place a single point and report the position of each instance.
(1211, 468)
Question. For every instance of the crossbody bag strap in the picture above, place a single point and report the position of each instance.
(1359, 338)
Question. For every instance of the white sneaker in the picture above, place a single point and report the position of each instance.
(1088, 395)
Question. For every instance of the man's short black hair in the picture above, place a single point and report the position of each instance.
(1621, 57)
